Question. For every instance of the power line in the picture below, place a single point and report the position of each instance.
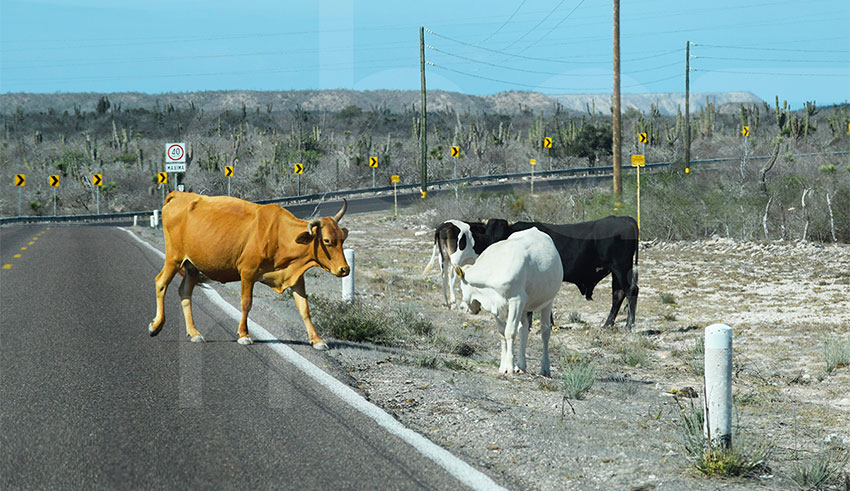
(504, 24)
(531, 86)
(797, 50)
(536, 25)
(761, 59)
(553, 28)
(773, 73)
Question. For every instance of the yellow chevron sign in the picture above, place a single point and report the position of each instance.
(547, 142)
(20, 180)
(745, 131)
(642, 137)
(162, 178)
(54, 181)
(228, 171)
(373, 161)
(455, 151)
(97, 179)
(298, 169)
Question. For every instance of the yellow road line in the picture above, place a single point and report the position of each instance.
(7, 266)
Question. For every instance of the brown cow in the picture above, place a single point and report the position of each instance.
(228, 239)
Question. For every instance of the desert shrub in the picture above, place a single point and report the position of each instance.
(744, 457)
(360, 322)
(836, 354)
(577, 377)
(820, 471)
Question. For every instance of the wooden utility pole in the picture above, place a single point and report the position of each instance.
(618, 180)
(687, 104)
(422, 126)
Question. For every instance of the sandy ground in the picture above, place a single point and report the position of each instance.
(784, 301)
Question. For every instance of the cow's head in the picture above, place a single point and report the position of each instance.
(460, 243)
(325, 238)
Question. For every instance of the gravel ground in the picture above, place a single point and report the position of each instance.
(784, 301)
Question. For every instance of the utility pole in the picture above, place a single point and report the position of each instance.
(618, 180)
(422, 126)
(687, 104)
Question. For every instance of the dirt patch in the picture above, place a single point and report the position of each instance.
(784, 301)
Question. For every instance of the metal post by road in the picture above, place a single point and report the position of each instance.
(718, 385)
(299, 185)
(97, 193)
(20, 201)
(54, 201)
(373, 177)
(348, 281)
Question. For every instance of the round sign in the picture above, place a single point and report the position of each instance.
(175, 153)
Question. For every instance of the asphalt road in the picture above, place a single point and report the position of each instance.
(89, 400)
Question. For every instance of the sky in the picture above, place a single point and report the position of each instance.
(798, 50)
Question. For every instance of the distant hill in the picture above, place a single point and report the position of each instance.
(335, 100)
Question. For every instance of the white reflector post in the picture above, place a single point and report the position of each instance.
(348, 281)
(718, 385)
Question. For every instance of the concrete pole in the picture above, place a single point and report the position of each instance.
(348, 281)
(718, 385)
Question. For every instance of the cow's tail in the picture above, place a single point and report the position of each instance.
(636, 267)
(434, 256)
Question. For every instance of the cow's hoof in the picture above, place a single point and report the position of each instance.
(153, 332)
(321, 346)
(198, 339)
(245, 340)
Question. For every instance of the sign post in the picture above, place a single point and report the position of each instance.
(547, 144)
(373, 163)
(533, 162)
(298, 170)
(638, 161)
(228, 173)
(20, 182)
(395, 195)
(455, 155)
(175, 159)
(97, 181)
(54, 183)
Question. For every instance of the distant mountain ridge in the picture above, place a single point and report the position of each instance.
(395, 100)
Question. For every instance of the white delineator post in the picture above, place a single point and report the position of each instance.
(718, 385)
(155, 219)
(348, 281)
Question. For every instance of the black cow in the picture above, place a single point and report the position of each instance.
(589, 252)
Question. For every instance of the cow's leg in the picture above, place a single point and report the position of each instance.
(299, 293)
(190, 279)
(247, 302)
(512, 326)
(169, 269)
(632, 295)
(524, 326)
(545, 332)
(617, 296)
(446, 273)
(506, 360)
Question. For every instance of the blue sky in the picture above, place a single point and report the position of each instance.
(798, 50)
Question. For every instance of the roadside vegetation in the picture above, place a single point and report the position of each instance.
(787, 195)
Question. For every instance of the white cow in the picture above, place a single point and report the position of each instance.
(509, 279)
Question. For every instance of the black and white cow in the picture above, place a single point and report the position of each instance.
(456, 243)
(589, 252)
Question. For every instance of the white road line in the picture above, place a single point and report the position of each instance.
(462, 471)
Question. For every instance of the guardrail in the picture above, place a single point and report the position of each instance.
(381, 189)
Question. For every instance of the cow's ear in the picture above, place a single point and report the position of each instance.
(304, 238)
(344, 233)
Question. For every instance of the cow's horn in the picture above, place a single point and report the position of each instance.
(314, 223)
(341, 212)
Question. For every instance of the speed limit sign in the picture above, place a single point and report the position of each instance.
(175, 157)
